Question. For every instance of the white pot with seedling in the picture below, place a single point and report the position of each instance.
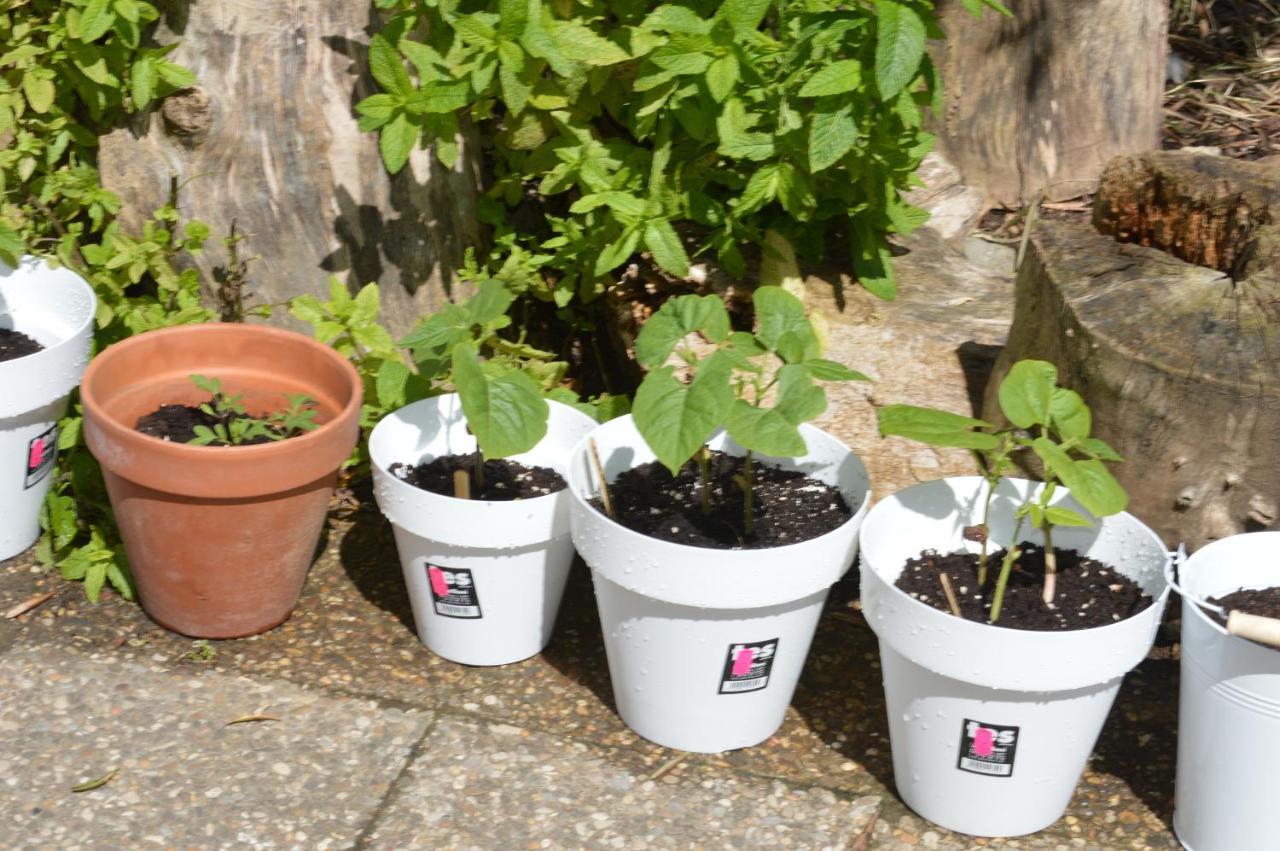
(714, 520)
(46, 328)
(472, 482)
(1000, 667)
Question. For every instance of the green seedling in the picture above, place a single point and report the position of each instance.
(235, 427)
(759, 387)
(1052, 422)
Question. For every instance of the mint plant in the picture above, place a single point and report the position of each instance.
(1055, 424)
(759, 387)
(235, 427)
(677, 129)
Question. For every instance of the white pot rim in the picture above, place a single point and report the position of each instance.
(1214, 549)
(705, 577)
(1004, 654)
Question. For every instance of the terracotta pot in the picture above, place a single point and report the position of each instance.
(219, 538)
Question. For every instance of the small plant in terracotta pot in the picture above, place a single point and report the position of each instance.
(220, 538)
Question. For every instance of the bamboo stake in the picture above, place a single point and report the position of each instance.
(604, 483)
(951, 594)
(461, 484)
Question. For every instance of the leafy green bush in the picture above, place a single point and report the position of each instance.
(615, 127)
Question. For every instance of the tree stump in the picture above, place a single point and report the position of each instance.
(1044, 99)
(1180, 361)
(269, 140)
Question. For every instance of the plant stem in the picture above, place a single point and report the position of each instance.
(986, 536)
(477, 472)
(1006, 567)
(704, 465)
(1050, 566)
(748, 497)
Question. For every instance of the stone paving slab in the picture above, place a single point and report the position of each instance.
(482, 785)
(313, 779)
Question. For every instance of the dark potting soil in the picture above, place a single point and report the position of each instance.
(15, 344)
(789, 506)
(504, 480)
(1088, 594)
(1264, 602)
(177, 424)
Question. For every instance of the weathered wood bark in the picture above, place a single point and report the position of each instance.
(1179, 362)
(1044, 99)
(269, 139)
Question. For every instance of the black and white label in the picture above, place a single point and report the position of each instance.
(454, 592)
(747, 666)
(987, 748)
(41, 452)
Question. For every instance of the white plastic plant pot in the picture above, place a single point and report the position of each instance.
(991, 727)
(485, 578)
(55, 307)
(1229, 713)
(705, 646)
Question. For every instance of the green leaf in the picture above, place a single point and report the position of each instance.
(722, 75)
(674, 418)
(175, 75)
(743, 15)
(96, 18)
(760, 190)
(1089, 481)
(581, 44)
(1059, 516)
(1069, 414)
(775, 431)
(387, 68)
(39, 90)
(1099, 449)
(513, 17)
(934, 427)
(94, 578)
(12, 246)
(390, 384)
(872, 262)
(900, 37)
(676, 319)
(662, 240)
(783, 325)
(736, 138)
(1027, 391)
(491, 301)
(396, 141)
(831, 135)
(676, 19)
(618, 252)
(829, 370)
(683, 55)
(439, 97)
(507, 414)
(142, 82)
(834, 79)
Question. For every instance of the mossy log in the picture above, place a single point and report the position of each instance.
(269, 140)
(1180, 362)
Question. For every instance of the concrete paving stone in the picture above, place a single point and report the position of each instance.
(477, 784)
(312, 779)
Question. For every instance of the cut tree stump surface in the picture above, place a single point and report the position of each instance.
(1179, 362)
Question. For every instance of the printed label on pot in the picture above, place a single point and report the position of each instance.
(987, 748)
(41, 452)
(747, 666)
(454, 592)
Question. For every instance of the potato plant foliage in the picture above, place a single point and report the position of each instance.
(616, 127)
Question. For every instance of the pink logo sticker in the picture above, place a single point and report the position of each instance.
(742, 662)
(438, 585)
(36, 458)
(984, 741)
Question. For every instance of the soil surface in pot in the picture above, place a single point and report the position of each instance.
(1263, 602)
(789, 506)
(1089, 593)
(15, 344)
(177, 424)
(504, 480)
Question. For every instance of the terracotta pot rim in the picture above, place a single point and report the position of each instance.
(180, 451)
